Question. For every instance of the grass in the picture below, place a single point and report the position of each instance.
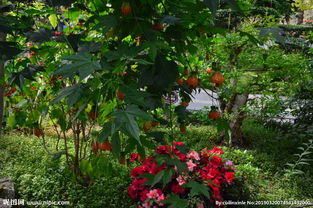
(260, 167)
(39, 178)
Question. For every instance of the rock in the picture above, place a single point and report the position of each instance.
(6, 191)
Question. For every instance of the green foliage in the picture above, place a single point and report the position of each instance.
(303, 159)
(37, 177)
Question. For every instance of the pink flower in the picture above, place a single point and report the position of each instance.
(193, 154)
(180, 180)
(153, 194)
(161, 198)
(146, 204)
(191, 166)
(228, 162)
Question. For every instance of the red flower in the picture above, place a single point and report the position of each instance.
(177, 189)
(138, 183)
(143, 195)
(212, 173)
(178, 143)
(182, 157)
(163, 149)
(229, 176)
(134, 156)
(203, 168)
(132, 192)
(216, 191)
(215, 161)
(216, 150)
(148, 160)
(137, 171)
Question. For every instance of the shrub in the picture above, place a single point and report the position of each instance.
(175, 174)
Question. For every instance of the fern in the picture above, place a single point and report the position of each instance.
(302, 159)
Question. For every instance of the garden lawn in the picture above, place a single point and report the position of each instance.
(259, 170)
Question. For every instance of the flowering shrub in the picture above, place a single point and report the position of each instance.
(175, 176)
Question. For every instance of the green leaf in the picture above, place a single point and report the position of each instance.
(182, 113)
(11, 120)
(131, 144)
(141, 61)
(53, 19)
(160, 159)
(42, 36)
(65, 92)
(8, 50)
(158, 136)
(153, 179)
(104, 166)
(106, 22)
(180, 165)
(251, 37)
(133, 96)
(197, 188)
(135, 111)
(109, 129)
(167, 176)
(86, 167)
(129, 123)
(175, 201)
(75, 96)
(166, 73)
(149, 178)
(81, 63)
(141, 150)
(116, 145)
(80, 110)
(124, 52)
(157, 178)
(182, 148)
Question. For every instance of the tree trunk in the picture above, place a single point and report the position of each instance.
(2, 84)
(236, 135)
(300, 16)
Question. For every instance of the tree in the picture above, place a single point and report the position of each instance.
(252, 66)
(106, 63)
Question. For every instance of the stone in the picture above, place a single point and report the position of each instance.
(6, 191)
